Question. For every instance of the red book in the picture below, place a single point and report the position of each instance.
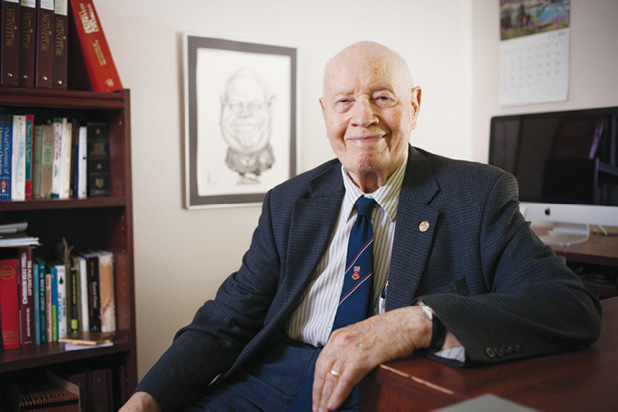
(9, 303)
(44, 44)
(27, 43)
(61, 47)
(96, 54)
(9, 48)
(26, 292)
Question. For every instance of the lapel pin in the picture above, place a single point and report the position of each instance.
(423, 226)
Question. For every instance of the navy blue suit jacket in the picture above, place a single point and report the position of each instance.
(494, 285)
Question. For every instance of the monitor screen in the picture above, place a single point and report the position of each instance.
(565, 163)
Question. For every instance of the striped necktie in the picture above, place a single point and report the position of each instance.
(355, 300)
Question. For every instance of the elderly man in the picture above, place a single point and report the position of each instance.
(447, 265)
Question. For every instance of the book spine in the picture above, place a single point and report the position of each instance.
(26, 307)
(106, 281)
(74, 319)
(44, 44)
(9, 303)
(6, 155)
(84, 321)
(56, 188)
(98, 160)
(18, 177)
(37, 304)
(97, 55)
(61, 311)
(37, 154)
(42, 300)
(27, 43)
(47, 161)
(61, 49)
(29, 136)
(49, 320)
(9, 49)
(54, 304)
(82, 163)
(94, 297)
(67, 144)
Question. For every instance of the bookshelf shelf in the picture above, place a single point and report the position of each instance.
(93, 202)
(94, 223)
(54, 353)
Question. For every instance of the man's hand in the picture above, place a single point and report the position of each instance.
(141, 402)
(353, 351)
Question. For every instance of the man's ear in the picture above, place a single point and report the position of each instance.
(416, 99)
(323, 106)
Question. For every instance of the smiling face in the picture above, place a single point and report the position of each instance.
(370, 109)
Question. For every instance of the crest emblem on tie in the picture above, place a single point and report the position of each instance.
(356, 273)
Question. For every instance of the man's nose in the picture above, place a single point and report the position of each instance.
(364, 113)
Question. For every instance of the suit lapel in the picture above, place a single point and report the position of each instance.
(416, 224)
(310, 232)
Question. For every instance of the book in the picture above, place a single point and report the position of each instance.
(49, 321)
(95, 51)
(47, 161)
(98, 159)
(94, 297)
(61, 310)
(67, 143)
(6, 155)
(40, 263)
(26, 295)
(79, 262)
(61, 47)
(44, 44)
(9, 306)
(59, 125)
(18, 161)
(87, 338)
(101, 394)
(81, 167)
(29, 136)
(53, 270)
(9, 48)
(27, 43)
(37, 303)
(106, 282)
(37, 154)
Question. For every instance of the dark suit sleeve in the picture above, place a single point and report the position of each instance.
(534, 304)
(221, 327)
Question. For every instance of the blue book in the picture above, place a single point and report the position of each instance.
(37, 304)
(6, 145)
(54, 306)
(42, 303)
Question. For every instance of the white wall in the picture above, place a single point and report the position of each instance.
(182, 256)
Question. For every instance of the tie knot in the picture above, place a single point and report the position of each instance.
(364, 206)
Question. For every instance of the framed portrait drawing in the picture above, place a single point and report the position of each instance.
(240, 120)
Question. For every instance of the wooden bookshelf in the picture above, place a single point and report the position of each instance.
(98, 223)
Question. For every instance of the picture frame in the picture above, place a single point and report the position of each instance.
(240, 120)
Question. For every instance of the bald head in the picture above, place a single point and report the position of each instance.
(368, 53)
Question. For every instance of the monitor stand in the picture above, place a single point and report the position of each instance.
(566, 234)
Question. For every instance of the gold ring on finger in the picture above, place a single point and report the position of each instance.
(335, 373)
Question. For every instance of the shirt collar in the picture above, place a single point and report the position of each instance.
(386, 196)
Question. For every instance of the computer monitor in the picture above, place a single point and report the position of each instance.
(566, 164)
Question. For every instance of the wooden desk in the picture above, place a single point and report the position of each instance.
(598, 250)
(585, 380)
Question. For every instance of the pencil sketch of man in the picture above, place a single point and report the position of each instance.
(246, 123)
